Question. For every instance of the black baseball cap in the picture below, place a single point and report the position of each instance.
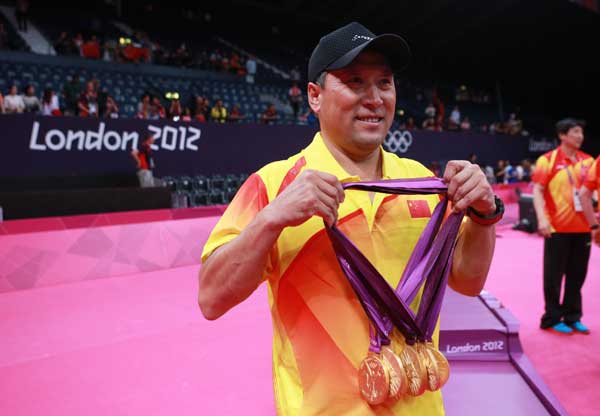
(339, 48)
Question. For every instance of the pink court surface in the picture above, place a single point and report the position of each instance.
(98, 316)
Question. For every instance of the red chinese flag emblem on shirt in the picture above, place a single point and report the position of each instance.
(418, 208)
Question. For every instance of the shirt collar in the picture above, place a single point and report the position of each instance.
(319, 157)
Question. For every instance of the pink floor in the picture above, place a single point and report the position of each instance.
(137, 344)
(134, 345)
(569, 365)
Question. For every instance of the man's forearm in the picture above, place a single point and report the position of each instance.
(539, 203)
(234, 271)
(586, 204)
(472, 258)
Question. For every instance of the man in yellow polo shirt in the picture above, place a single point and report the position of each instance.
(558, 177)
(273, 231)
(591, 184)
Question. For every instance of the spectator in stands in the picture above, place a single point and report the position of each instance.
(514, 125)
(462, 94)
(269, 116)
(498, 127)
(112, 109)
(473, 159)
(489, 174)
(522, 172)
(71, 92)
(109, 50)
(78, 42)
(235, 65)
(410, 124)
(214, 60)
(144, 104)
(500, 171)
(218, 114)
(430, 111)
(200, 110)
(526, 171)
(175, 110)
(295, 98)
(205, 106)
(91, 48)
(63, 45)
(429, 124)
(149, 112)
(50, 106)
(465, 124)
(187, 115)
(235, 115)
(512, 173)
(13, 102)
(159, 54)
(182, 57)
(88, 101)
(454, 120)
(22, 13)
(310, 118)
(144, 110)
(224, 63)
(439, 122)
(32, 102)
(102, 95)
(199, 116)
(250, 69)
(145, 162)
(160, 108)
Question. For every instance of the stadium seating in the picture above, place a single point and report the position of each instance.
(201, 190)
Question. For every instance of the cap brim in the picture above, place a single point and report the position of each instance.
(393, 47)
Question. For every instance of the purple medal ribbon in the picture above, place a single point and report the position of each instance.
(430, 263)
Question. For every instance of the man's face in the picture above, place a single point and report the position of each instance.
(356, 105)
(573, 137)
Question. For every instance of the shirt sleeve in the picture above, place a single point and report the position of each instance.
(592, 179)
(249, 200)
(541, 174)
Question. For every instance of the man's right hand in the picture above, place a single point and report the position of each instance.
(311, 193)
(544, 227)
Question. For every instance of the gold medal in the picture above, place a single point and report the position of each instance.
(398, 379)
(417, 377)
(443, 367)
(430, 364)
(374, 379)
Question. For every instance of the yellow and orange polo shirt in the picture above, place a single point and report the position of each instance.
(555, 171)
(320, 331)
(592, 180)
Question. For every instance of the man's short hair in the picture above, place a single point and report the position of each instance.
(321, 79)
(566, 124)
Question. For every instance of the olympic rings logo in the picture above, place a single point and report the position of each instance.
(398, 141)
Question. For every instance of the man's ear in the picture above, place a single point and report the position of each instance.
(314, 97)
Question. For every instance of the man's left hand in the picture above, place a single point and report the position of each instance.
(468, 187)
(596, 237)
